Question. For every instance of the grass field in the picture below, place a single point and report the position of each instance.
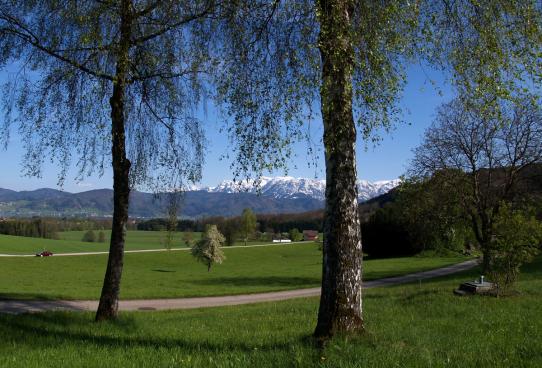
(177, 274)
(147, 239)
(70, 242)
(406, 326)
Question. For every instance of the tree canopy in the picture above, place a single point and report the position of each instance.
(64, 56)
(283, 60)
(125, 72)
(482, 156)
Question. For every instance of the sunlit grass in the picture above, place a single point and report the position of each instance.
(420, 325)
(177, 274)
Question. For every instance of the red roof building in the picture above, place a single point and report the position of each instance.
(310, 235)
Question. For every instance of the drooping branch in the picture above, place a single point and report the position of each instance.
(175, 25)
(35, 42)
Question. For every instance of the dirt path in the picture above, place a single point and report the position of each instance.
(151, 250)
(24, 306)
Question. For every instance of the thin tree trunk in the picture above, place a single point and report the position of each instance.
(486, 255)
(340, 303)
(108, 306)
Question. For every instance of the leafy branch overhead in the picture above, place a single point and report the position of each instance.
(269, 74)
(65, 59)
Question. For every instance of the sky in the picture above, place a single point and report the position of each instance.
(424, 92)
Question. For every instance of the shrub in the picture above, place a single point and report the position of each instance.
(295, 235)
(89, 237)
(517, 240)
(101, 237)
(188, 238)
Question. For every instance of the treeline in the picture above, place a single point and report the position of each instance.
(36, 228)
(429, 216)
(416, 220)
(270, 223)
(50, 227)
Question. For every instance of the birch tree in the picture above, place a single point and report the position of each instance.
(280, 61)
(107, 80)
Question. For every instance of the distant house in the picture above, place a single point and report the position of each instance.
(310, 235)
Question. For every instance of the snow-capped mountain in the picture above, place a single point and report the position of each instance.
(368, 190)
(278, 195)
(290, 187)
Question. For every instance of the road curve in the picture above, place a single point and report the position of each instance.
(32, 306)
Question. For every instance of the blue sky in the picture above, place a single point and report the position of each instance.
(387, 160)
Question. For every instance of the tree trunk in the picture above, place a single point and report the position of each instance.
(486, 241)
(486, 248)
(340, 303)
(108, 306)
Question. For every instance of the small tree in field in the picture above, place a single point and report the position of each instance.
(230, 229)
(517, 241)
(208, 249)
(101, 237)
(248, 224)
(188, 238)
(89, 237)
(295, 235)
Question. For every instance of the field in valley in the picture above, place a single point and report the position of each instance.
(71, 242)
(418, 325)
(177, 274)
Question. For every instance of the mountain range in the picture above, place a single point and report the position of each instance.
(229, 198)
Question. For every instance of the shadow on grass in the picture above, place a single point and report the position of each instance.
(26, 296)
(533, 268)
(65, 328)
(33, 306)
(259, 281)
(415, 296)
(163, 271)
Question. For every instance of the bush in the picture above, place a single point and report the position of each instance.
(89, 237)
(517, 241)
(101, 237)
(295, 235)
(188, 238)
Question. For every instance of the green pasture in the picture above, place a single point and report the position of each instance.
(135, 240)
(177, 274)
(70, 242)
(418, 325)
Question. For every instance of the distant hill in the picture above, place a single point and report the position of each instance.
(99, 203)
(274, 195)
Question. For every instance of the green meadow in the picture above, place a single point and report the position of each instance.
(418, 325)
(176, 273)
(70, 242)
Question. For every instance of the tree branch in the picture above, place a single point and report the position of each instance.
(34, 41)
(177, 24)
